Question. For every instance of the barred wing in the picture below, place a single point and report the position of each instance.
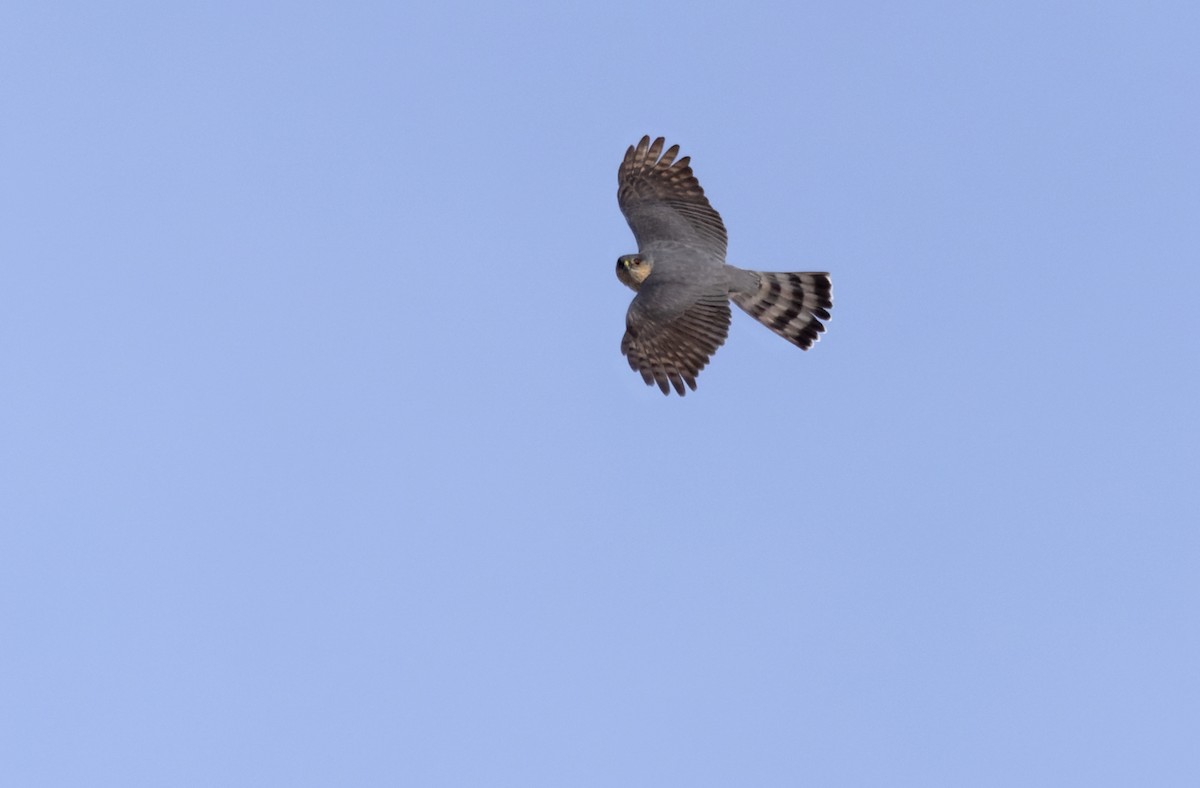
(669, 347)
(663, 201)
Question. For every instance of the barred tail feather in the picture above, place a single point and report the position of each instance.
(791, 305)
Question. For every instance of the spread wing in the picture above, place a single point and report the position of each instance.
(663, 201)
(670, 336)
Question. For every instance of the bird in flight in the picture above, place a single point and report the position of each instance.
(680, 315)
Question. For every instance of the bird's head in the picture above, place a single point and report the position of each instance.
(632, 269)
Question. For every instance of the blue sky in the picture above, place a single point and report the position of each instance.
(321, 466)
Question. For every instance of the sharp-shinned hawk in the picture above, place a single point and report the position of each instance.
(680, 315)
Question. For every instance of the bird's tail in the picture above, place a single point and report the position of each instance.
(791, 305)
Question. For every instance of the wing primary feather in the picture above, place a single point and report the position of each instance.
(655, 148)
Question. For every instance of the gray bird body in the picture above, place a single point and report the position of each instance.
(680, 315)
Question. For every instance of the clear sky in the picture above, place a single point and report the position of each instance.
(320, 464)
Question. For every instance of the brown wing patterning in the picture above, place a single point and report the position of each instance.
(663, 201)
(673, 353)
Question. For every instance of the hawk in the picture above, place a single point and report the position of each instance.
(680, 315)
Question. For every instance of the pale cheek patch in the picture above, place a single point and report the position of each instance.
(640, 273)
